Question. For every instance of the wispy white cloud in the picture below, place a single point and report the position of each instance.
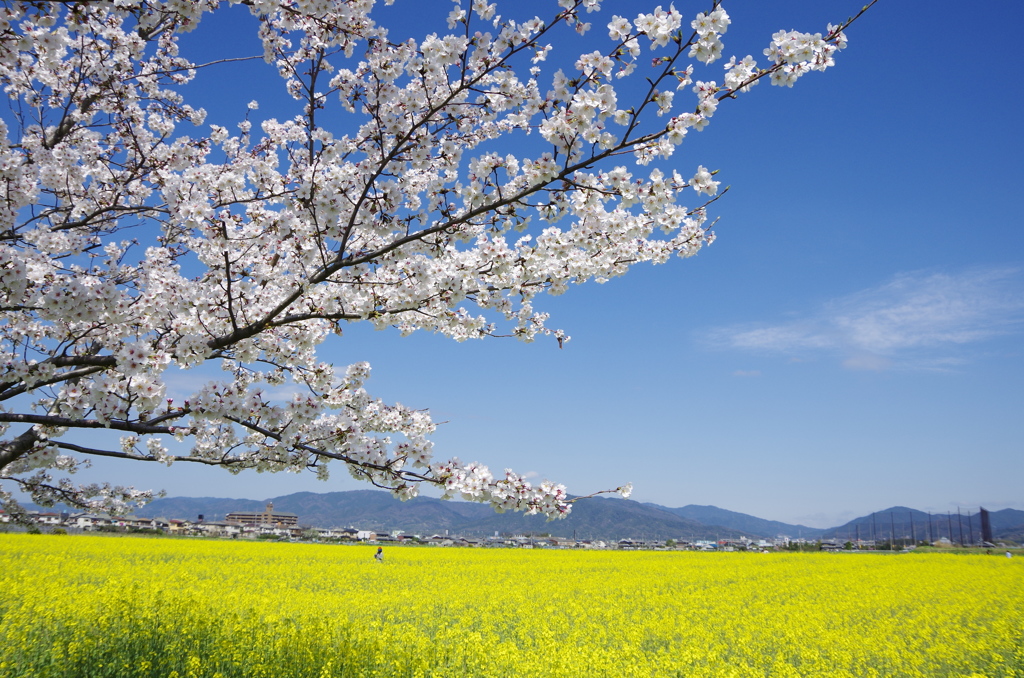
(915, 317)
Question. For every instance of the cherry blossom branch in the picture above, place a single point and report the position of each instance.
(67, 422)
(251, 249)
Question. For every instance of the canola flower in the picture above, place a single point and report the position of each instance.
(107, 606)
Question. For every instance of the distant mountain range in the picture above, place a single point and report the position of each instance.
(906, 522)
(594, 518)
(712, 515)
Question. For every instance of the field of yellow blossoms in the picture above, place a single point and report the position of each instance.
(175, 608)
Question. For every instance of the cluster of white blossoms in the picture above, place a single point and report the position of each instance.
(798, 53)
(420, 185)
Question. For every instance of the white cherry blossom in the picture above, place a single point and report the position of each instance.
(137, 242)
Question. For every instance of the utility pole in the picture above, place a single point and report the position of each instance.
(949, 519)
(930, 540)
(970, 529)
(892, 532)
(960, 524)
(913, 534)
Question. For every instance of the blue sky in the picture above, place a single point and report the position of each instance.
(854, 339)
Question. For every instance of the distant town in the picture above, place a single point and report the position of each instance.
(284, 526)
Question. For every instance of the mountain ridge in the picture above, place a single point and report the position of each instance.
(594, 518)
(905, 522)
(743, 522)
(597, 517)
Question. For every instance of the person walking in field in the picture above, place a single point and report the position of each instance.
(379, 555)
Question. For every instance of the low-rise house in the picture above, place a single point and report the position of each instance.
(136, 523)
(593, 544)
(47, 518)
(219, 528)
(337, 533)
(88, 521)
(176, 526)
(741, 544)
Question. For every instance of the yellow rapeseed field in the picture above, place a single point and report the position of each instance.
(176, 608)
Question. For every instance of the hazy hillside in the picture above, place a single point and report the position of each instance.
(746, 524)
(605, 518)
(595, 518)
(598, 517)
(900, 520)
(1007, 522)
(365, 509)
